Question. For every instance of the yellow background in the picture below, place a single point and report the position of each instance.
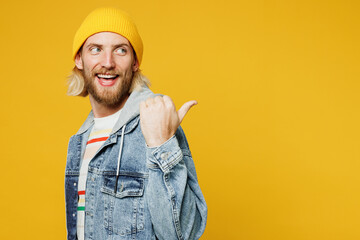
(275, 137)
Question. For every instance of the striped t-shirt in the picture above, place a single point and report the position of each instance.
(99, 134)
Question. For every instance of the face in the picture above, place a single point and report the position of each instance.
(107, 61)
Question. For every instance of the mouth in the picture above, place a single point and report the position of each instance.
(106, 80)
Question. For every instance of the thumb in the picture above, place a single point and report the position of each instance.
(185, 108)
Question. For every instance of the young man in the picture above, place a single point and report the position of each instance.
(129, 171)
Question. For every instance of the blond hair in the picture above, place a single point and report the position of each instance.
(76, 83)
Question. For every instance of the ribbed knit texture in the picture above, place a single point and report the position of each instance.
(109, 20)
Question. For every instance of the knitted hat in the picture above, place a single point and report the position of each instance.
(109, 20)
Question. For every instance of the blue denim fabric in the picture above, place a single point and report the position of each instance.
(157, 194)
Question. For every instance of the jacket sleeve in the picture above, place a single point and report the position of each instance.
(176, 203)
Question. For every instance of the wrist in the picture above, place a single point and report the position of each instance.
(153, 143)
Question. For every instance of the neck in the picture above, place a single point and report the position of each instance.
(101, 110)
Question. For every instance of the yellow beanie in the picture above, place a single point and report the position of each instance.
(109, 20)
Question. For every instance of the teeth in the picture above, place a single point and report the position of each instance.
(106, 76)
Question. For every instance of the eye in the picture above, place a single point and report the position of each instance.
(121, 51)
(94, 50)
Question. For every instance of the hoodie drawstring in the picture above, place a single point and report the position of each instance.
(119, 157)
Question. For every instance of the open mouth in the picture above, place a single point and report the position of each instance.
(106, 80)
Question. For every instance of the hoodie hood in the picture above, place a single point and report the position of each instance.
(130, 110)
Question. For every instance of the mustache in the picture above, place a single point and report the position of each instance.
(106, 71)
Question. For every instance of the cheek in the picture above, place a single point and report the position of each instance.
(90, 63)
(125, 63)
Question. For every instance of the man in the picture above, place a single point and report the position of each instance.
(129, 171)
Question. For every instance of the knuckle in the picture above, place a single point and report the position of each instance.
(167, 98)
(158, 98)
(149, 100)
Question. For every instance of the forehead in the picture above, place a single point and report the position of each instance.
(106, 38)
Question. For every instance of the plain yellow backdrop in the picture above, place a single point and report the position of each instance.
(275, 137)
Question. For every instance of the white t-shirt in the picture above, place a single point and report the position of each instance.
(99, 134)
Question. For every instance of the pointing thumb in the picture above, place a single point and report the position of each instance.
(185, 108)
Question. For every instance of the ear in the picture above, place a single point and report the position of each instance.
(78, 61)
(135, 66)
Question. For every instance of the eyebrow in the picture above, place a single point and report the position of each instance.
(113, 46)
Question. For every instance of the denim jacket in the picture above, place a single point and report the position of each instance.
(132, 191)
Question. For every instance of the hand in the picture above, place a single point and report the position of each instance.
(159, 119)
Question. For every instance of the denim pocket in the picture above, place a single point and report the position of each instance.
(123, 210)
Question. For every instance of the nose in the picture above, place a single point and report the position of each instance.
(108, 61)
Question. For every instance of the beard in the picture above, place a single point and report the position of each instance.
(111, 96)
